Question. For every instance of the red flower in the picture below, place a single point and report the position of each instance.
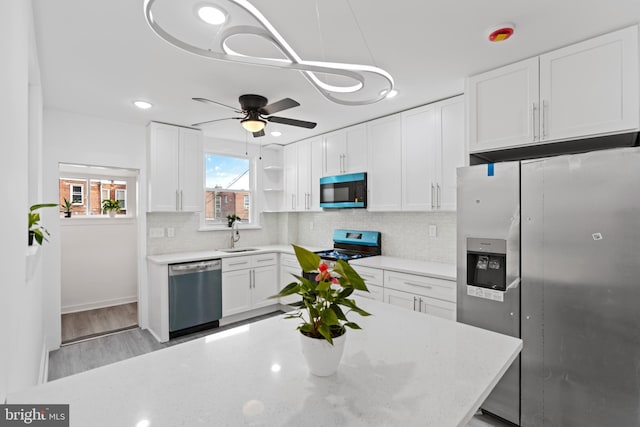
(323, 267)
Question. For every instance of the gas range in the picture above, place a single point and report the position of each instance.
(353, 244)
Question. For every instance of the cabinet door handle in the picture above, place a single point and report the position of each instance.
(414, 303)
(432, 196)
(367, 275)
(420, 304)
(438, 195)
(181, 200)
(238, 263)
(533, 121)
(177, 201)
(293, 202)
(544, 119)
(422, 285)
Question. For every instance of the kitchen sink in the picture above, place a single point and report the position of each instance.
(238, 250)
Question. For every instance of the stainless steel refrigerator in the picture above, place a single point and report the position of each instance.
(549, 250)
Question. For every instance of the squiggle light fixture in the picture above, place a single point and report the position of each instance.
(363, 75)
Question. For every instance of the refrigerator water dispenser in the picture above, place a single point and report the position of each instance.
(486, 263)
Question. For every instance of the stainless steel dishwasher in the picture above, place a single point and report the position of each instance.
(195, 296)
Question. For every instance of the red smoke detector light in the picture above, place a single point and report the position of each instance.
(502, 33)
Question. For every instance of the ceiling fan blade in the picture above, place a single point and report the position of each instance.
(208, 101)
(258, 134)
(283, 104)
(291, 122)
(216, 120)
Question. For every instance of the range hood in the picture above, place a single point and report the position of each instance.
(629, 139)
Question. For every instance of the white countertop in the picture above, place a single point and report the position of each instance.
(200, 255)
(433, 269)
(403, 369)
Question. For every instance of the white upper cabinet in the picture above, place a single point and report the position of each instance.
(384, 178)
(452, 150)
(432, 149)
(345, 151)
(590, 88)
(502, 106)
(290, 177)
(583, 90)
(175, 169)
(303, 167)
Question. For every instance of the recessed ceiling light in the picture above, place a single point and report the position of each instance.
(212, 15)
(389, 93)
(143, 105)
(276, 133)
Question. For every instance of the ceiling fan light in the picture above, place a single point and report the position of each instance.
(253, 125)
(212, 15)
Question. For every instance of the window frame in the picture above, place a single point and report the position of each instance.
(95, 173)
(71, 192)
(124, 204)
(207, 224)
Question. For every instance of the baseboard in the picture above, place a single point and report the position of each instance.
(43, 375)
(98, 304)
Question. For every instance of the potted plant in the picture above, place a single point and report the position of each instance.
(231, 219)
(37, 231)
(111, 206)
(67, 208)
(323, 329)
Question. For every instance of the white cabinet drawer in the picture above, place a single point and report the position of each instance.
(375, 292)
(236, 263)
(264, 260)
(421, 285)
(288, 260)
(371, 276)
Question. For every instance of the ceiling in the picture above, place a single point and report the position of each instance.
(98, 57)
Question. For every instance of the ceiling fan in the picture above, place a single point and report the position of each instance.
(256, 113)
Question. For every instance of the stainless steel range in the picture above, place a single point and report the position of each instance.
(353, 244)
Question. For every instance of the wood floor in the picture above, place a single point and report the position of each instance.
(90, 354)
(91, 323)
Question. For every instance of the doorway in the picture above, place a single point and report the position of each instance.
(99, 267)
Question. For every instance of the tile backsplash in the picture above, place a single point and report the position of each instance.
(404, 234)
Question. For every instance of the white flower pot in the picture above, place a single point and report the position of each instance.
(322, 357)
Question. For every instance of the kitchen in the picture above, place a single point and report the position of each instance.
(78, 137)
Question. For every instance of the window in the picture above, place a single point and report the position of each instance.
(121, 195)
(228, 188)
(77, 194)
(87, 186)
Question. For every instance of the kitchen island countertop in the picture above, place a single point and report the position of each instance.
(403, 368)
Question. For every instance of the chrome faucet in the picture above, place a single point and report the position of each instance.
(235, 233)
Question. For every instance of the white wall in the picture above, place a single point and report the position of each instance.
(99, 263)
(404, 234)
(80, 139)
(21, 288)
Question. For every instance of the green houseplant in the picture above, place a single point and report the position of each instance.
(111, 206)
(231, 219)
(324, 297)
(37, 231)
(67, 205)
(323, 329)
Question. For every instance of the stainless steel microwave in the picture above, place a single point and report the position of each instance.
(344, 191)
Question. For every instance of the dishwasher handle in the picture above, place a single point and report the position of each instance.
(195, 267)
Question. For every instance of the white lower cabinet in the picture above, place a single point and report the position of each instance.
(248, 282)
(374, 279)
(421, 293)
(288, 265)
